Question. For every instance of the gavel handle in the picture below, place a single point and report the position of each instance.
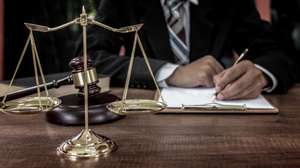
(31, 90)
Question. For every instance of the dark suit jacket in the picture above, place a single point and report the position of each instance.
(217, 28)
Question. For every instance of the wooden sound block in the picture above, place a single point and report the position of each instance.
(71, 111)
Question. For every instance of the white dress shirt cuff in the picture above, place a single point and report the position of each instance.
(271, 76)
(164, 73)
(196, 2)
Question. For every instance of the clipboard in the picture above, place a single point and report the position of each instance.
(218, 110)
(216, 107)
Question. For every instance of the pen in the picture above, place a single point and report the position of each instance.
(244, 53)
(241, 56)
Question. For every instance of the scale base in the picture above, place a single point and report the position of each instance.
(87, 144)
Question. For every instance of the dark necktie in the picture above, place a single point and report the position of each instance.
(174, 14)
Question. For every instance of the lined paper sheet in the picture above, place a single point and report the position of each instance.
(176, 97)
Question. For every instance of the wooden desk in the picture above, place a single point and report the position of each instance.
(165, 140)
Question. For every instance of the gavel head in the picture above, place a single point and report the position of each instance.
(77, 66)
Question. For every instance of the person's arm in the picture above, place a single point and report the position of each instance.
(198, 73)
(246, 80)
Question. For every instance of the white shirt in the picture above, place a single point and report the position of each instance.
(168, 69)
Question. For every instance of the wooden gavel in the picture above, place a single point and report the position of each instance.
(76, 78)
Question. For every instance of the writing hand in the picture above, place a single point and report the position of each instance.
(197, 73)
(241, 81)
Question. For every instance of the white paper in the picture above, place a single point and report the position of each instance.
(176, 97)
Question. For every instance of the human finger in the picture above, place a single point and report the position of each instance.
(206, 78)
(214, 64)
(229, 76)
(218, 76)
(251, 92)
(239, 86)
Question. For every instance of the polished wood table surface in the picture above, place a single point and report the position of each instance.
(203, 140)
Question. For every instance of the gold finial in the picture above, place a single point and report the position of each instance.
(83, 17)
(83, 9)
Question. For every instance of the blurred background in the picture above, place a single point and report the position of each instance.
(56, 49)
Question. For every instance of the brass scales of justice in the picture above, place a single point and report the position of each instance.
(87, 143)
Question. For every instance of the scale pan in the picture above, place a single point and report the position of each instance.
(136, 106)
(30, 105)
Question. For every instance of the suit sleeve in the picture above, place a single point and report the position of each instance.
(104, 46)
(252, 33)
